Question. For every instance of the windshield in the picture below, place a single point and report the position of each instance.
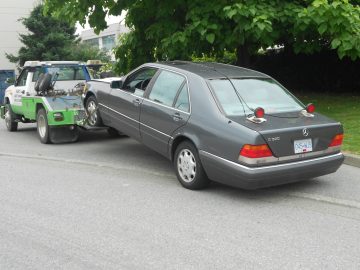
(254, 92)
(67, 73)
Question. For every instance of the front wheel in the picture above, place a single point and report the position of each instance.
(10, 117)
(188, 167)
(43, 129)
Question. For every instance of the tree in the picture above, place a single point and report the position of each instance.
(83, 52)
(52, 39)
(49, 38)
(178, 29)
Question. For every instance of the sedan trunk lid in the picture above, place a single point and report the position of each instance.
(283, 131)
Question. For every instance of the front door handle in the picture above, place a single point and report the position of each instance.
(136, 102)
(176, 116)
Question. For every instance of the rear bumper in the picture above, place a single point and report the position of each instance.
(237, 175)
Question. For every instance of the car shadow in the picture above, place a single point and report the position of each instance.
(267, 194)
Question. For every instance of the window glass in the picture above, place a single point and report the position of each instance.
(108, 42)
(137, 82)
(37, 73)
(166, 87)
(94, 42)
(22, 78)
(227, 97)
(255, 92)
(182, 102)
(67, 73)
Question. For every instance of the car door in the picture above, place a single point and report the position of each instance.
(165, 109)
(21, 86)
(124, 103)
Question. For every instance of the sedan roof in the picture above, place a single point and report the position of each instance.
(211, 70)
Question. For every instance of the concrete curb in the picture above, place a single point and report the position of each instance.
(352, 160)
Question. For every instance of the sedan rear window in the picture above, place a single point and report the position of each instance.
(242, 96)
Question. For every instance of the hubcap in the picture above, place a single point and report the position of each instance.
(186, 165)
(91, 108)
(41, 126)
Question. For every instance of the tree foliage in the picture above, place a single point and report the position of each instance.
(52, 39)
(49, 38)
(179, 29)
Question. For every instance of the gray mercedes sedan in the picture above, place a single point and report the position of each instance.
(218, 122)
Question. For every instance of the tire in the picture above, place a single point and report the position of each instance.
(91, 106)
(43, 129)
(10, 118)
(44, 83)
(37, 84)
(188, 167)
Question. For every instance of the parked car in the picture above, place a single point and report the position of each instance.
(219, 122)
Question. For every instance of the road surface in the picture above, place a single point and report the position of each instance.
(106, 203)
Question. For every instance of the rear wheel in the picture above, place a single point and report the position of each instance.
(94, 118)
(188, 167)
(10, 118)
(43, 129)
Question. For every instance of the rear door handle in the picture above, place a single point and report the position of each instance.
(136, 102)
(176, 116)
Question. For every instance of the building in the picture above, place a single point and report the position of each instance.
(10, 28)
(107, 39)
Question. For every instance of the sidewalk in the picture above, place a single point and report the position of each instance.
(352, 160)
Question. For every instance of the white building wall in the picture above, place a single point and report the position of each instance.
(10, 28)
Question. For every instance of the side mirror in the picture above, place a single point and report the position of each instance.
(10, 80)
(116, 84)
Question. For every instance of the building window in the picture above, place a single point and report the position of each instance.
(94, 42)
(108, 42)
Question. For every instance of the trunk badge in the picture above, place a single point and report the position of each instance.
(305, 132)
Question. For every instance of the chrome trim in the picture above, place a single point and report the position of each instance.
(157, 103)
(234, 164)
(118, 112)
(156, 130)
(264, 160)
(135, 120)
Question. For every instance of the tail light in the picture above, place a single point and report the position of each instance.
(256, 151)
(310, 108)
(259, 112)
(337, 140)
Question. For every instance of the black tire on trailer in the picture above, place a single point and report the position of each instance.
(37, 84)
(43, 128)
(91, 107)
(44, 83)
(10, 119)
(188, 167)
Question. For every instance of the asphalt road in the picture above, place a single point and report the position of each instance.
(107, 203)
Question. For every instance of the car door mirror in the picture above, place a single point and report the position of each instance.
(10, 80)
(116, 84)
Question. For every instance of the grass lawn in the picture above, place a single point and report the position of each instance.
(343, 108)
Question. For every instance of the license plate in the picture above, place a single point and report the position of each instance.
(303, 146)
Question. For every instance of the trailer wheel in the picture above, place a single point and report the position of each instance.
(43, 129)
(10, 117)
